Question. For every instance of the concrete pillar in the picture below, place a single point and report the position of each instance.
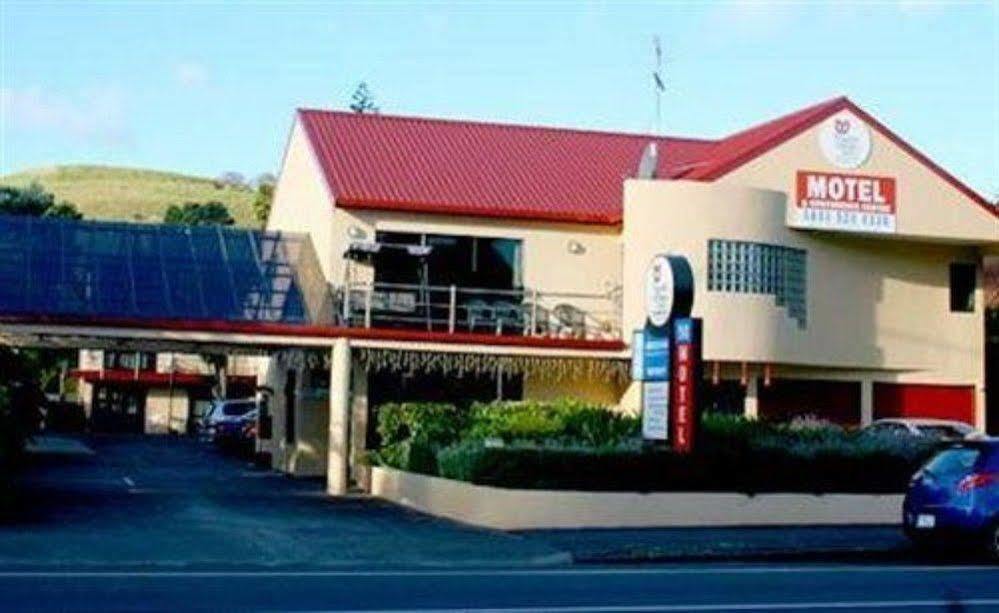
(751, 407)
(360, 472)
(866, 402)
(339, 431)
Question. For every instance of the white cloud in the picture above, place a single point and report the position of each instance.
(191, 74)
(93, 115)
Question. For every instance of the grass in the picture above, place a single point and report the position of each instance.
(133, 194)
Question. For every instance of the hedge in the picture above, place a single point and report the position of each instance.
(571, 445)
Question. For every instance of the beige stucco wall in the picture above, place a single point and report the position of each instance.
(877, 307)
(306, 457)
(513, 509)
(302, 202)
(927, 205)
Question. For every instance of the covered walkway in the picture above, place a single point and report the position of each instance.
(210, 289)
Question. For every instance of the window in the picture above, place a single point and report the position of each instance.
(464, 261)
(129, 360)
(962, 287)
(759, 268)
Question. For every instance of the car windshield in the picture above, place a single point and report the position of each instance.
(940, 431)
(953, 462)
(234, 409)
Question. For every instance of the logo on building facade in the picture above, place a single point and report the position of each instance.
(845, 140)
(669, 289)
(855, 203)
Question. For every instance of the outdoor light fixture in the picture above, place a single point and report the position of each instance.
(766, 375)
(576, 247)
(744, 376)
(715, 372)
(356, 232)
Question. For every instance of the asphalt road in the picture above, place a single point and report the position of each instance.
(673, 588)
(168, 524)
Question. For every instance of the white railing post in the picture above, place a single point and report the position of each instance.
(534, 312)
(452, 308)
(367, 306)
(345, 307)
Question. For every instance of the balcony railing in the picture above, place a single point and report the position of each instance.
(456, 309)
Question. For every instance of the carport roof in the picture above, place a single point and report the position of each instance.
(52, 268)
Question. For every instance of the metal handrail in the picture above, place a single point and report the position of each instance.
(454, 308)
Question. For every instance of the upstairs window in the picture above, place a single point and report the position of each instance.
(962, 287)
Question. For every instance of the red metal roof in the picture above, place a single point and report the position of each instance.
(525, 172)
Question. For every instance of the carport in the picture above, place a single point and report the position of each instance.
(140, 287)
(209, 289)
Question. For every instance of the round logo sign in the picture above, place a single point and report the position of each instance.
(659, 291)
(845, 140)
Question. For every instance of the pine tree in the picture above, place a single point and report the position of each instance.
(362, 100)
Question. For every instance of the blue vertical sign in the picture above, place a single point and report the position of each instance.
(650, 364)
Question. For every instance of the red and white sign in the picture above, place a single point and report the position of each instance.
(686, 375)
(833, 201)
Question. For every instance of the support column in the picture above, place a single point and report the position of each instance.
(339, 430)
(751, 406)
(360, 472)
(866, 402)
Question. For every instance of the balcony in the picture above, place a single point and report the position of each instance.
(453, 309)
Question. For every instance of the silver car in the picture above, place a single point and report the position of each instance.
(943, 429)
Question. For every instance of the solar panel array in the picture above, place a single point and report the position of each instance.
(57, 267)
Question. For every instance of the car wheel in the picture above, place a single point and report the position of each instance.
(992, 543)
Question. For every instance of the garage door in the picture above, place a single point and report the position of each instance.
(835, 401)
(921, 400)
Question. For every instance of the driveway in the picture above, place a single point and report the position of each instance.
(174, 502)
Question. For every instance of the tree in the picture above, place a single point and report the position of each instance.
(362, 100)
(199, 214)
(230, 178)
(263, 178)
(34, 201)
(262, 201)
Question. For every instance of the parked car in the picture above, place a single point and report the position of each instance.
(225, 411)
(943, 429)
(238, 433)
(954, 498)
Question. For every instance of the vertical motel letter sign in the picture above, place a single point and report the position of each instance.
(687, 375)
(669, 294)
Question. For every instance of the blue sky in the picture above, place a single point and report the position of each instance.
(204, 87)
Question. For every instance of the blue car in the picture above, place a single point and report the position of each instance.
(954, 498)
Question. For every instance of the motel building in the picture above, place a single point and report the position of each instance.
(839, 273)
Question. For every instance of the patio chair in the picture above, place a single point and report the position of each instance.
(570, 321)
(478, 313)
(509, 316)
(542, 319)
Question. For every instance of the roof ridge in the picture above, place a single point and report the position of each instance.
(515, 126)
(801, 114)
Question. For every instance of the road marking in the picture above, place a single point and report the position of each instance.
(754, 606)
(713, 570)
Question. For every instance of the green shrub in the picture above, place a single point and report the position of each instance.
(565, 420)
(573, 445)
(412, 433)
(733, 454)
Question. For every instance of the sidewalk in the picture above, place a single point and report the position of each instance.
(615, 546)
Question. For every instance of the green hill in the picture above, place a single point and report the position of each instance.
(133, 194)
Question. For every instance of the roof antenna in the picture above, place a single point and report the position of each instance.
(658, 85)
(648, 165)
